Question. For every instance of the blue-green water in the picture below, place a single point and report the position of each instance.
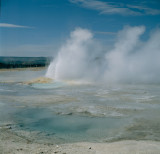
(64, 112)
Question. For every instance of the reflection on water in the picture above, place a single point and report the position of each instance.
(69, 112)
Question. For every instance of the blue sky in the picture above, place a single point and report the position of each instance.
(39, 27)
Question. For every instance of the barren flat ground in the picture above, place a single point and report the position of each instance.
(11, 143)
(38, 117)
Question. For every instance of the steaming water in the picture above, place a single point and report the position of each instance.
(64, 112)
(97, 95)
(130, 59)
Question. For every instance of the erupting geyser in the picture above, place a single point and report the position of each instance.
(130, 60)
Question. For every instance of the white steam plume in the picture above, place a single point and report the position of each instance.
(130, 60)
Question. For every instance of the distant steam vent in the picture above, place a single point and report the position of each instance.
(23, 62)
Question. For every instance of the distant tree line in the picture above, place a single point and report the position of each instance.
(23, 62)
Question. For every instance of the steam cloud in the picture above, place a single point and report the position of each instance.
(130, 60)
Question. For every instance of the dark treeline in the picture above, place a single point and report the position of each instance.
(22, 62)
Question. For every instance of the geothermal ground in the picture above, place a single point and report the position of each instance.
(40, 115)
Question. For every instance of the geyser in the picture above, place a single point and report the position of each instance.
(130, 60)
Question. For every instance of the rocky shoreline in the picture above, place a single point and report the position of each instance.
(17, 143)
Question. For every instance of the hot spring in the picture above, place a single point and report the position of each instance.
(96, 95)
